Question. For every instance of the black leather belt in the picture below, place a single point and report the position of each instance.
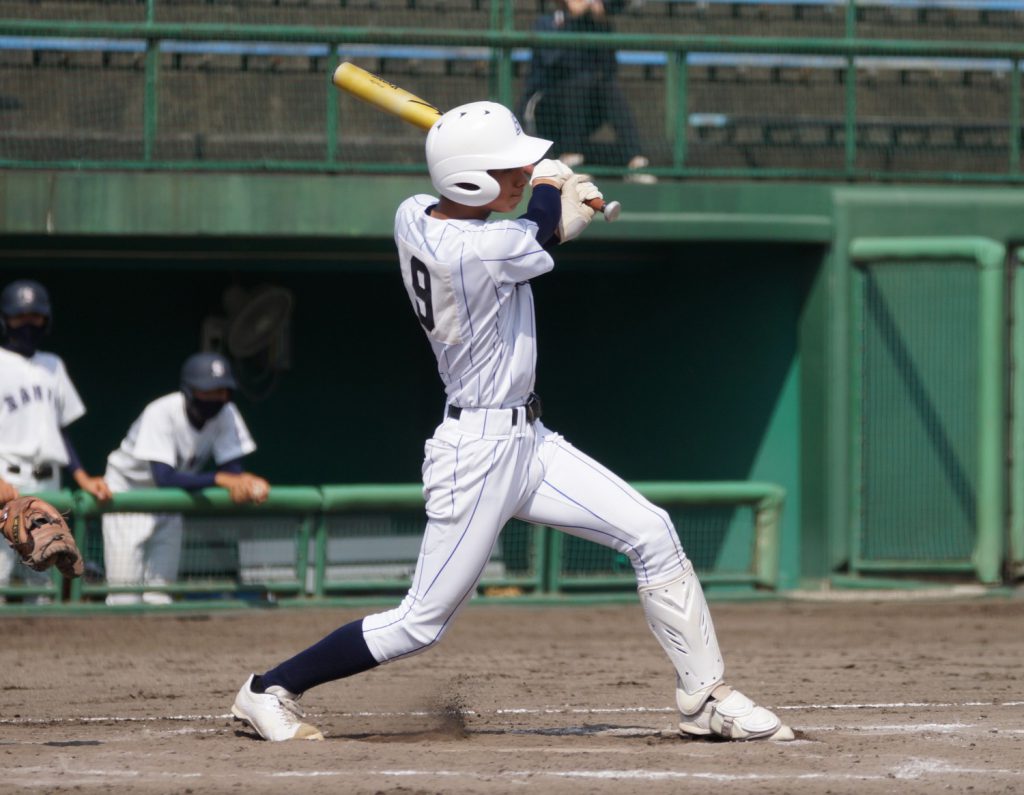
(533, 406)
(41, 472)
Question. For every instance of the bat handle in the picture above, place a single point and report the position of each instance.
(611, 210)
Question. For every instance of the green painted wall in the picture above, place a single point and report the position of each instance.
(663, 361)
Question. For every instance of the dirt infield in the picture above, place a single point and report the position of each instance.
(907, 695)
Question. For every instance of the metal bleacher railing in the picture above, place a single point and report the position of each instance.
(307, 544)
(845, 106)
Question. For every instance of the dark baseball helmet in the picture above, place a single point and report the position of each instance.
(25, 297)
(206, 371)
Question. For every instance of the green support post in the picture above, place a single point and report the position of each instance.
(333, 105)
(1016, 367)
(988, 552)
(503, 62)
(853, 435)
(850, 118)
(768, 540)
(149, 108)
(1015, 120)
(320, 559)
(302, 540)
(678, 106)
(541, 551)
(553, 569)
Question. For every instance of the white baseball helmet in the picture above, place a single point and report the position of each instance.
(469, 140)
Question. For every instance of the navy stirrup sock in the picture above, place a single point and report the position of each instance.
(342, 653)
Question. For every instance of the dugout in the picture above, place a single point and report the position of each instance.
(709, 335)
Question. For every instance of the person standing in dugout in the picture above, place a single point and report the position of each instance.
(38, 402)
(167, 447)
(492, 458)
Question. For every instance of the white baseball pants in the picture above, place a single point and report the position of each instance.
(480, 471)
(141, 549)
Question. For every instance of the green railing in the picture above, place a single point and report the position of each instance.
(536, 567)
(850, 135)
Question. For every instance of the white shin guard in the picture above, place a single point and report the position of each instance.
(678, 616)
(677, 613)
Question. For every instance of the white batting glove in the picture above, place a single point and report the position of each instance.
(586, 190)
(554, 170)
(576, 216)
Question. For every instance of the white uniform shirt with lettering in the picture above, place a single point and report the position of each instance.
(37, 400)
(163, 433)
(468, 284)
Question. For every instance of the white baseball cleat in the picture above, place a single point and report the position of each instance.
(735, 717)
(275, 715)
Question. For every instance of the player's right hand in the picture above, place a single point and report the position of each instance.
(259, 489)
(552, 172)
(244, 487)
(97, 487)
(576, 214)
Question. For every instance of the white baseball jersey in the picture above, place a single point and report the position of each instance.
(467, 284)
(37, 400)
(163, 433)
(467, 281)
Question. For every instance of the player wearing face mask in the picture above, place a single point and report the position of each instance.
(168, 446)
(37, 403)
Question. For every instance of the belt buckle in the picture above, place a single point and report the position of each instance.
(534, 408)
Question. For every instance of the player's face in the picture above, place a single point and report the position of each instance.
(512, 183)
(213, 395)
(27, 319)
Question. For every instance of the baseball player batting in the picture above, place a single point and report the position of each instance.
(492, 458)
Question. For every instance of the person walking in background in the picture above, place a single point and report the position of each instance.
(167, 447)
(38, 401)
(571, 92)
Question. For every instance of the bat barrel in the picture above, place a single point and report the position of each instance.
(611, 210)
(386, 96)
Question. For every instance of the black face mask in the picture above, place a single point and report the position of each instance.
(25, 339)
(202, 411)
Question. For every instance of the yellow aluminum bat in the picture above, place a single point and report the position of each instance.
(408, 107)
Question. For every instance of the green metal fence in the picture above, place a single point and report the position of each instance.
(928, 381)
(201, 86)
(307, 543)
(1015, 270)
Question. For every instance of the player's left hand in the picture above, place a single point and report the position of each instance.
(576, 215)
(96, 486)
(38, 533)
(550, 172)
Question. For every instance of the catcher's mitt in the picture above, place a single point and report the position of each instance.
(37, 531)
